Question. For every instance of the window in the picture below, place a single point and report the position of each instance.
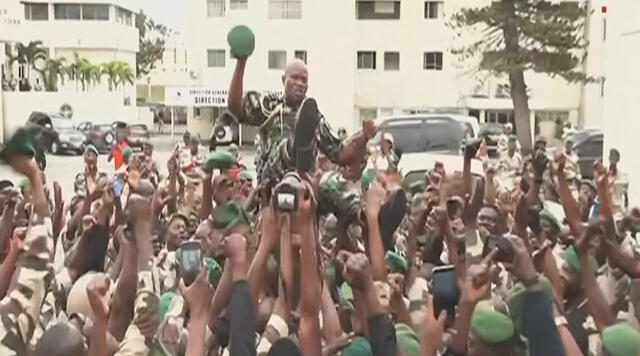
(95, 12)
(36, 12)
(301, 55)
(368, 114)
(433, 9)
(124, 16)
(216, 57)
(391, 60)
(378, 10)
(433, 60)
(285, 9)
(366, 60)
(277, 59)
(238, 4)
(67, 11)
(215, 8)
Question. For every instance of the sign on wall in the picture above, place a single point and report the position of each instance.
(199, 96)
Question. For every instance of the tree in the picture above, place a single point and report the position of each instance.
(28, 55)
(53, 69)
(152, 39)
(117, 73)
(73, 70)
(514, 36)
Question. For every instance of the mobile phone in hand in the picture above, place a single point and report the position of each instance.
(190, 260)
(446, 293)
(118, 187)
(505, 249)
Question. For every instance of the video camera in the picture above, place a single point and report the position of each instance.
(285, 193)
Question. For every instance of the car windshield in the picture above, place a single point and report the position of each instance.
(62, 124)
(411, 136)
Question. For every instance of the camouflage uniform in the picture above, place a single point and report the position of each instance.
(276, 122)
(20, 310)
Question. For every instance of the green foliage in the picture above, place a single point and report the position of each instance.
(549, 37)
(152, 40)
(117, 73)
(53, 71)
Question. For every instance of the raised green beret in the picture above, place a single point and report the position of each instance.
(242, 41)
(127, 152)
(214, 269)
(516, 302)
(490, 325)
(22, 143)
(91, 148)
(396, 262)
(367, 178)
(548, 215)
(164, 302)
(245, 176)
(359, 346)
(571, 257)
(230, 214)
(621, 340)
(407, 340)
(221, 159)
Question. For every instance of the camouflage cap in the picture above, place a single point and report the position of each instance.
(547, 215)
(221, 159)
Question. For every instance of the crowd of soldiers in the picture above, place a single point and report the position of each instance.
(323, 252)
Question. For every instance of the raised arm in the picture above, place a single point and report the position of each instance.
(236, 90)
(571, 210)
(374, 199)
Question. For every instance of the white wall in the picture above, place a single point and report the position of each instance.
(87, 106)
(622, 90)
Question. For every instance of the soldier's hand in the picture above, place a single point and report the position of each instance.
(198, 295)
(369, 129)
(24, 165)
(471, 149)
(374, 198)
(235, 247)
(99, 293)
(139, 208)
(356, 269)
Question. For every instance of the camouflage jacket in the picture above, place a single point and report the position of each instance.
(20, 309)
(276, 121)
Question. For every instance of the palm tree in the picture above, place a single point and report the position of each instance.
(73, 70)
(110, 69)
(125, 74)
(54, 69)
(86, 72)
(28, 55)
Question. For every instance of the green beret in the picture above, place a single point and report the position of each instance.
(164, 302)
(127, 152)
(513, 138)
(396, 262)
(245, 176)
(330, 274)
(367, 178)
(359, 346)
(91, 148)
(621, 340)
(242, 41)
(179, 215)
(346, 295)
(489, 325)
(22, 143)
(214, 269)
(516, 302)
(407, 340)
(571, 257)
(548, 215)
(230, 214)
(218, 160)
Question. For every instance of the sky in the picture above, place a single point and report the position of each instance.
(172, 13)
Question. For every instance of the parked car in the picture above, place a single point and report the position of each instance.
(589, 148)
(423, 133)
(99, 135)
(67, 136)
(138, 133)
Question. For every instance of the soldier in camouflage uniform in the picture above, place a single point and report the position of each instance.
(290, 125)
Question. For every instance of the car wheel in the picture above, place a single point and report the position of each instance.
(108, 138)
(55, 147)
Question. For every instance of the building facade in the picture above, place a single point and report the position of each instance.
(372, 58)
(97, 31)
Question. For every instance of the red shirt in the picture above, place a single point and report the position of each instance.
(117, 154)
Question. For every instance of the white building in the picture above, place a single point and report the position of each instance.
(97, 30)
(369, 59)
